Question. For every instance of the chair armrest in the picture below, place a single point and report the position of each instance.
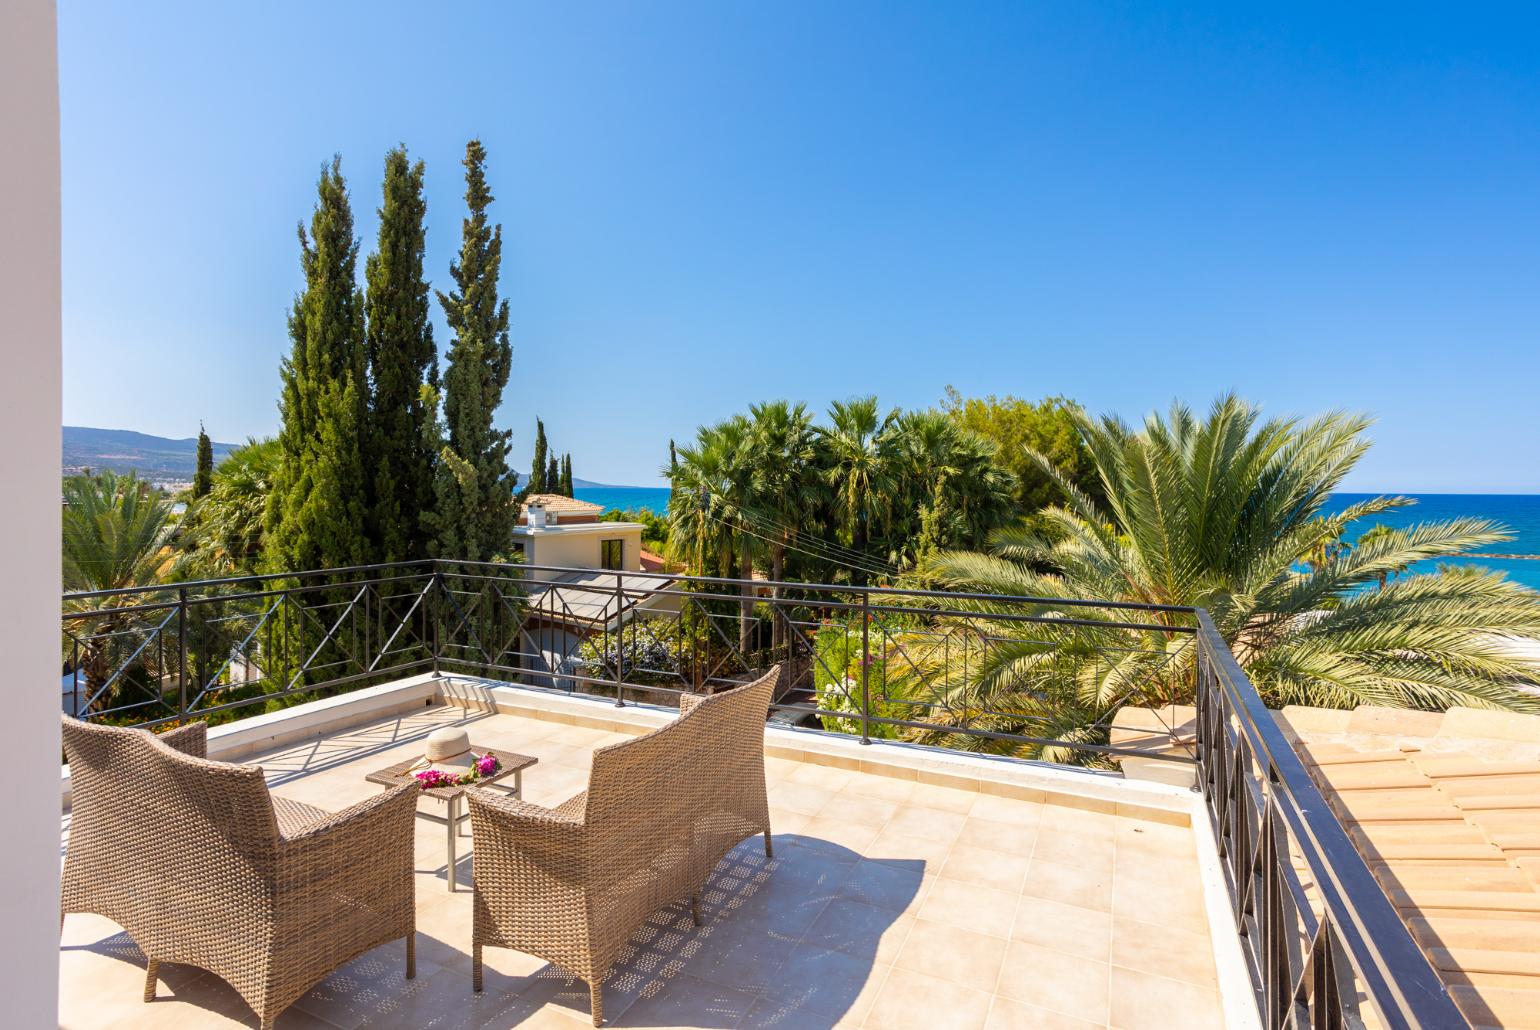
(192, 739)
(384, 820)
(549, 837)
(689, 702)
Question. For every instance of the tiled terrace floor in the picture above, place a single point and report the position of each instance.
(889, 904)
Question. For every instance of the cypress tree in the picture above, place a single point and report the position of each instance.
(203, 478)
(553, 476)
(399, 347)
(566, 475)
(475, 514)
(316, 509)
(537, 483)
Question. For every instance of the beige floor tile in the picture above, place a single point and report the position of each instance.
(803, 798)
(889, 788)
(891, 844)
(1013, 838)
(986, 868)
(914, 1001)
(862, 931)
(840, 836)
(1100, 825)
(829, 778)
(895, 884)
(1068, 928)
(857, 808)
(947, 799)
(1163, 951)
(970, 907)
(1146, 837)
(1006, 1014)
(832, 984)
(1056, 981)
(1007, 810)
(927, 822)
(1071, 848)
(1167, 895)
(689, 1002)
(1142, 1001)
(1070, 884)
(952, 954)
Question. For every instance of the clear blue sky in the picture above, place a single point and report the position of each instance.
(710, 204)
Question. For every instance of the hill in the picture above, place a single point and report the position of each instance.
(163, 460)
(153, 457)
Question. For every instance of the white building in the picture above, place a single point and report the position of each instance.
(589, 579)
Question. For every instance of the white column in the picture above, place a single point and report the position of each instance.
(29, 511)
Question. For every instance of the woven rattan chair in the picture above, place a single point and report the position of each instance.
(202, 866)
(571, 884)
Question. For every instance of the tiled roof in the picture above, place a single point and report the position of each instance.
(560, 504)
(1446, 809)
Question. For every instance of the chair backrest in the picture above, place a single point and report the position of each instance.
(188, 819)
(646, 796)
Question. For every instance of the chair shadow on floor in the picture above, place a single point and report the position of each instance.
(789, 941)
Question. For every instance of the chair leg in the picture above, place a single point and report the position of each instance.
(476, 967)
(150, 971)
(695, 907)
(411, 955)
(769, 848)
(596, 1001)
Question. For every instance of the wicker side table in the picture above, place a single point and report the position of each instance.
(509, 763)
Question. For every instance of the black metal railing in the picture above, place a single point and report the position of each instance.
(1323, 942)
(1028, 677)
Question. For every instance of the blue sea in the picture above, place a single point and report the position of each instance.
(1519, 512)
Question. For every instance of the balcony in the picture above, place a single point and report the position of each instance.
(925, 874)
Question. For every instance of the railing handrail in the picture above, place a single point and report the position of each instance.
(437, 564)
(1385, 956)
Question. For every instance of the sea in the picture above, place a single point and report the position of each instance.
(1520, 513)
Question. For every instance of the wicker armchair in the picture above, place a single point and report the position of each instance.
(202, 866)
(571, 884)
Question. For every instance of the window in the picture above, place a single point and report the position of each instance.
(611, 554)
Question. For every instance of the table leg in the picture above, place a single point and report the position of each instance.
(518, 784)
(454, 820)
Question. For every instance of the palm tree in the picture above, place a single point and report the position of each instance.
(783, 452)
(1227, 513)
(859, 467)
(225, 529)
(953, 490)
(117, 530)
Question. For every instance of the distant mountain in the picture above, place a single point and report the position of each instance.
(166, 461)
(121, 450)
(580, 484)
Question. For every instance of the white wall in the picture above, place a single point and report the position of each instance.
(30, 417)
(580, 549)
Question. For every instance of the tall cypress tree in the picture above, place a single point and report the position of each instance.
(399, 346)
(474, 515)
(566, 475)
(553, 476)
(316, 509)
(537, 483)
(203, 477)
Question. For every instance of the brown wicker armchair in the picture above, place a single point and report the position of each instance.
(202, 866)
(573, 883)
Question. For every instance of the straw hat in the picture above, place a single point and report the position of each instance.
(448, 750)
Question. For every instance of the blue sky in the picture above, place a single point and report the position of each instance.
(710, 204)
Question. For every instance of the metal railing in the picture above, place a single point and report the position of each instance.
(1323, 942)
(1030, 677)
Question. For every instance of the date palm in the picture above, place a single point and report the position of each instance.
(117, 532)
(1228, 513)
(860, 466)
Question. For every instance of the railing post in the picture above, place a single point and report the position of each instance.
(620, 641)
(181, 648)
(434, 613)
(866, 664)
